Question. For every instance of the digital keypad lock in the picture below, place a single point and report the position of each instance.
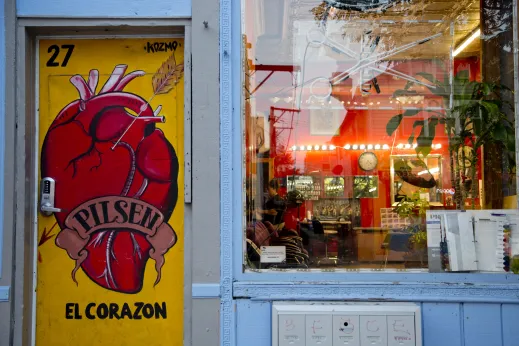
(47, 190)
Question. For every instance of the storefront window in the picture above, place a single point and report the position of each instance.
(380, 135)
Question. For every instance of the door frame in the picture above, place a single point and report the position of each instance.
(26, 151)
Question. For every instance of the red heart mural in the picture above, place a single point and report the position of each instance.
(116, 178)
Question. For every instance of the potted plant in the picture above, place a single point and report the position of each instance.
(414, 208)
(474, 116)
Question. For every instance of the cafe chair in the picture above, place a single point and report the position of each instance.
(319, 230)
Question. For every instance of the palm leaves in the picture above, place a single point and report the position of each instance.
(474, 115)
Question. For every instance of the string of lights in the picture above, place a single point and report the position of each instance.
(324, 147)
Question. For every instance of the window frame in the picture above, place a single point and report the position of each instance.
(233, 183)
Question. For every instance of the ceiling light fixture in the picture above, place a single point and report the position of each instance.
(409, 99)
(465, 43)
(331, 147)
(432, 171)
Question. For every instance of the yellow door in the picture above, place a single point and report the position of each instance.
(110, 214)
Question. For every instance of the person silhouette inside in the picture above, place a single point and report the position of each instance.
(275, 206)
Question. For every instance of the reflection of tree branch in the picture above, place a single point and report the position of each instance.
(410, 10)
(496, 17)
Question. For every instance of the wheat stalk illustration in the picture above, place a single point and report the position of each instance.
(167, 76)
(163, 81)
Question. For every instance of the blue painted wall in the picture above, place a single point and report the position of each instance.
(104, 8)
(444, 324)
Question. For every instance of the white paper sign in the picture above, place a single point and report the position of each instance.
(514, 236)
(433, 232)
(273, 254)
(490, 242)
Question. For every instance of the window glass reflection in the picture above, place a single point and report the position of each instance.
(380, 135)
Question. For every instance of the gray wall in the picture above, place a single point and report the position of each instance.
(205, 226)
(201, 216)
(7, 112)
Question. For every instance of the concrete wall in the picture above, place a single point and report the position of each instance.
(205, 255)
(7, 207)
(201, 216)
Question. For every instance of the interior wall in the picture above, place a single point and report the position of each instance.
(357, 126)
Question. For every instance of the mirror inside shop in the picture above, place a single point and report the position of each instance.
(380, 135)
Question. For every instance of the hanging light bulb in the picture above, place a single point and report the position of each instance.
(294, 148)
(377, 146)
(347, 147)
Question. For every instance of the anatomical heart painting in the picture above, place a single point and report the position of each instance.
(110, 256)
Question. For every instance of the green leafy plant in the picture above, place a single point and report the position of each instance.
(414, 208)
(514, 265)
(419, 240)
(473, 116)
